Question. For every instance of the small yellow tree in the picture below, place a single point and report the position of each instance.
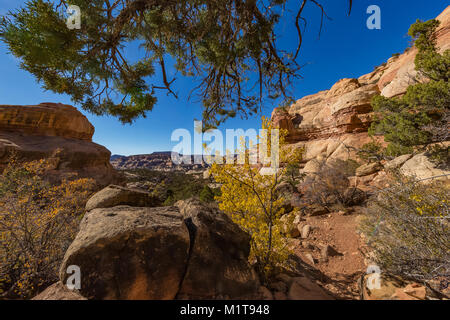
(252, 201)
(38, 221)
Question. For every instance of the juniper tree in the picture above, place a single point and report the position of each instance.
(422, 115)
(230, 47)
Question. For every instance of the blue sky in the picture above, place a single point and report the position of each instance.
(346, 48)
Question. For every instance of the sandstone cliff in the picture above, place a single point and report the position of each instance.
(54, 130)
(328, 122)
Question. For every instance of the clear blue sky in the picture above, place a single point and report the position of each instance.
(345, 49)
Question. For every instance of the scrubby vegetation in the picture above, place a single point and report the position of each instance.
(407, 226)
(38, 221)
(330, 186)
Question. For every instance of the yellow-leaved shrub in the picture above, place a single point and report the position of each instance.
(38, 221)
(252, 201)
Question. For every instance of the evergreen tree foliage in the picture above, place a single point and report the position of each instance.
(421, 116)
(230, 47)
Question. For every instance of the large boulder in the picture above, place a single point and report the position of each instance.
(113, 195)
(186, 251)
(422, 168)
(56, 131)
(130, 253)
(218, 263)
(397, 162)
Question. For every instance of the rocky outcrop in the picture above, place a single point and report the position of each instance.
(186, 251)
(46, 119)
(58, 131)
(333, 123)
(399, 73)
(345, 108)
(421, 168)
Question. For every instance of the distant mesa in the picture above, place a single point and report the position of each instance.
(158, 161)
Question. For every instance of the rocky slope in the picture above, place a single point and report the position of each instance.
(53, 130)
(329, 123)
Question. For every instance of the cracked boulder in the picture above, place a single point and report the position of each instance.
(218, 263)
(139, 253)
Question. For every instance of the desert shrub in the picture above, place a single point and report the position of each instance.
(252, 201)
(207, 194)
(371, 152)
(439, 155)
(408, 229)
(38, 221)
(330, 186)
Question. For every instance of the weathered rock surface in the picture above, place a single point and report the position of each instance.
(186, 251)
(113, 195)
(421, 167)
(57, 131)
(397, 162)
(58, 291)
(368, 169)
(303, 288)
(46, 119)
(130, 253)
(218, 266)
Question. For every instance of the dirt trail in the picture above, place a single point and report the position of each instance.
(339, 274)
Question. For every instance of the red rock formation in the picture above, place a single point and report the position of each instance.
(46, 119)
(58, 131)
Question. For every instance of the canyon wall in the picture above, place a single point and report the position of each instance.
(330, 123)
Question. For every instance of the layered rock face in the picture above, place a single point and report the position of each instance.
(187, 251)
(51, 130)
(327, 124)
(158, 161)
(46, 119)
